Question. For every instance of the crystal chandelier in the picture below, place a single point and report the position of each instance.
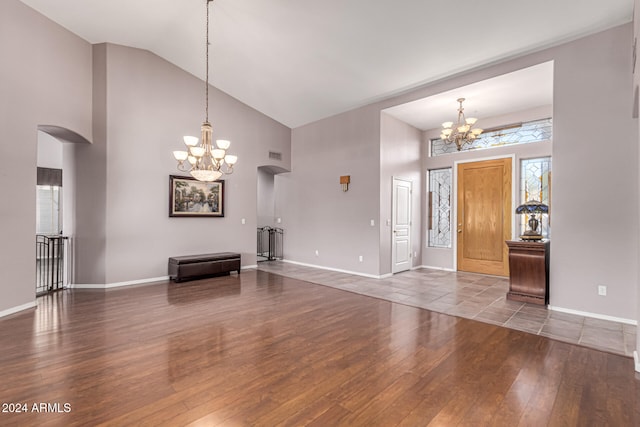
(462, 133)
(203, 160)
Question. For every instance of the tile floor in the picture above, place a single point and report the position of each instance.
(472, 296)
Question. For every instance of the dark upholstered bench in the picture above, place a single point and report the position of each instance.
(196, 266)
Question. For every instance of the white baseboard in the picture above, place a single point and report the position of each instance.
(130, 282)
(118, 284)
(636, 361)
(339, 270)
(247, 267)
(355, 273)
(594, 315)
(14, 310)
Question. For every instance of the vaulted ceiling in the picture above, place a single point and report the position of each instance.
(298, 61)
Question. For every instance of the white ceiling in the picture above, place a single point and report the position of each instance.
(299, 60)
(517, 91)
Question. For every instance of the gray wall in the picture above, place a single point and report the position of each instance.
(89, 178)
(144, 109)
(595, 154)
(400, 157)
(45, 78)
(142, 106)
(49, 152)
(134, 107)
(636, 90)
(316, 213)
(444, 258)
(595, 198)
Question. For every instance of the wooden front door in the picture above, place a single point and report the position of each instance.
(484, 216)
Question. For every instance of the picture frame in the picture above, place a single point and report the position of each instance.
(189, 197)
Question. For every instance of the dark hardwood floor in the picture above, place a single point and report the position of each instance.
(262, 349)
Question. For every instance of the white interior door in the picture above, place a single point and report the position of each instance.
(401, 230)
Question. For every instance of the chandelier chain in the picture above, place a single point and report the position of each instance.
(202, 159)
(206, 78)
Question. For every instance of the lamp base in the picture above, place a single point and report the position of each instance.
(531, 237)
(532, 233)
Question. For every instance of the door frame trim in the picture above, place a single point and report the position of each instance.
(454, 208)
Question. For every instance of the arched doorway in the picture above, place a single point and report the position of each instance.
(270, 232)
(55, 207)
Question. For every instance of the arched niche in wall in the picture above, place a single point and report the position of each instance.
(266, 202)
(55, 153)
(63, 134)
(268, 213)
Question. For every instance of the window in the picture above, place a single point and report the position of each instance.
(535, 184)
(439, 200)
(520, 133)
(49, 201)
(48, 219)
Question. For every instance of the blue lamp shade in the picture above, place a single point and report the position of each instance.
(532, 207)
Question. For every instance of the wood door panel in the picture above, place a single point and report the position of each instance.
(484, 216)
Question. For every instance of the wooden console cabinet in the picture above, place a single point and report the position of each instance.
(529, 271)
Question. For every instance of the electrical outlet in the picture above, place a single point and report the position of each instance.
(317, 253)
(360, 258)
(602, 290)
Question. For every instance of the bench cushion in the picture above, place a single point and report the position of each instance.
(194, 266)
(191, 259)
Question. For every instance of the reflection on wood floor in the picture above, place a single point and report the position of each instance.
(473, 296)
(264, 349)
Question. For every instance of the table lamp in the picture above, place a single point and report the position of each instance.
(532, 207)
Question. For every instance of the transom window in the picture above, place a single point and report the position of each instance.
(518, 133)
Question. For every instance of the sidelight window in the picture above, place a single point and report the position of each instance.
(439, 200)
(535, 184)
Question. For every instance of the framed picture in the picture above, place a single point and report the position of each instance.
(192, 198)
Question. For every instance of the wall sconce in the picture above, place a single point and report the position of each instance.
(345, 180)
